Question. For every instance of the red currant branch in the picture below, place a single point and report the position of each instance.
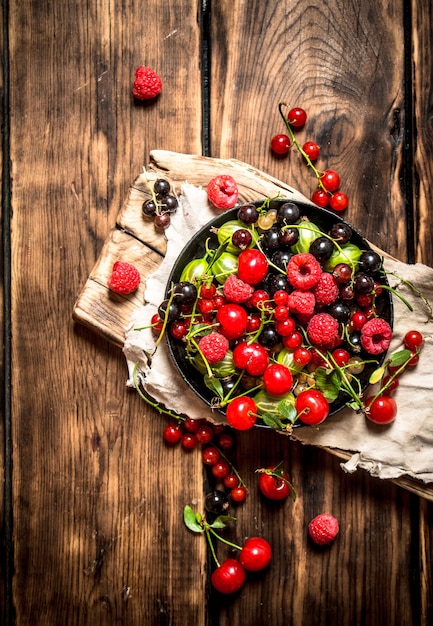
(149, 401)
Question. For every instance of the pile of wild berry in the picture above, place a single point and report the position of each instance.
(161, 205)
(281, 318)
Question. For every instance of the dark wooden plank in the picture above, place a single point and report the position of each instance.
(98, 532)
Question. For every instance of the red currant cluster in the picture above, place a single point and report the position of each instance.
(215, 441)
(161, 205)
(328, 192)
(381, 408)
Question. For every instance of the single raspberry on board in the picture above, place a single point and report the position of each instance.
(322, 330)
(376, 335)
(223, 191)
(236, 290)
(124, 278)
(214, 347)
(301, 302)
(303, 271)
(323, 529)
(147, 84)
(326, 291)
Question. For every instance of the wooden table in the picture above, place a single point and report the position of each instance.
(92, 529)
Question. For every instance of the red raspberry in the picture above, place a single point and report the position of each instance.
(322, 330)
(301, 302)
(124, 278)
(147, 83)
(323, 529)
(303, 271)
(376, 335)
(214, 347)
(236, 290)
(326, 291)
(223, 192)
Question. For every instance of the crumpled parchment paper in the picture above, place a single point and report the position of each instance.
(404, 447)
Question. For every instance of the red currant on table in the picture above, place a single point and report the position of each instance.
(280, 144)
(231, 481)
(256, 554)
(297, 117)
(238, 494)
(330, 180)
(229, 577)
(189, 441)
(381, 410)
(204, 433)
(221, 469)
(312, 150)
(339, 201)
(320, 197)
(172, 433)
(210, 455)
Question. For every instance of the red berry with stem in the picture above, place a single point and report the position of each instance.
(302, 356)
(413, 340)
(191, 425)
(330, 180)
(221, 469)
(229, 577)
(311, 407)
(381, 410)
(339, 201)
(256, 554)
(280, 144)
(274, 484)
(204, 433)
(210, 455)
(242, 413)
(277, 379)
(225, 441)
(297, 117)
(312, 150)
(189, 441)
(172, 434)
(238, 494)
(320, 197)
(231, 481)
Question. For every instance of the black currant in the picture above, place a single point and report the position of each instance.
(281, 258)
(269, 336)
(370, 262)
(340, 311)
(162, 220)
(149, 208)
(248, 214)
(341, 232)
(216, 502)
(322, 249)
(242, 238)
(185, 292)
(288, 237)
(276, 282)
(173, 311)
(355, 342)
(161, 187)
(288, 213)
(271, 239)
(169, 203)
(363, 284)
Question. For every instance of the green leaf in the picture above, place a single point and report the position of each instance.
(214, 384)
(287, 410)
(377, 375)
(190, 519)
(398, 358)
(354, 405)
(221, 521)
(272, 421)
(329, 382)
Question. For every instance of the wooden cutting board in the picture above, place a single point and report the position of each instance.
(134, 239)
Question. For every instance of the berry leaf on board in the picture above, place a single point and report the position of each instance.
(191, 520)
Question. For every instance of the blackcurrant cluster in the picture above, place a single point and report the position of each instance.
(161, 205)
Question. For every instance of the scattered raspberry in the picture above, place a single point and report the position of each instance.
(326, 291)
(147, 83)
(322, 330)
(303, 271)
(236, 290)
(214, 347)
(223, 192)
(376, 335)
(301, 302)
(124, 278)
(323, 529)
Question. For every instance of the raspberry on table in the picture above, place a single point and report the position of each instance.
(376, 335)
(323, 330)
(124, 279)
(147, 84)
(214, 347)
(326, 291)
(323, 529)
(223, 192)
(236, 290)
(301, 302)
(303, 271)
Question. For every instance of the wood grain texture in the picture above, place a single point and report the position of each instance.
(97, 499)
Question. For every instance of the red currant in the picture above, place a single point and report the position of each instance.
(157, 323)
(339, 201)
(413, 339)
(357, 320)
(204, 433)
(207, 291)
(191, 425)
(285, 327)
(281, 313)
(293, 340)
(189, 441)
(297, 117)
(302, 356)
(178, 329)
(256, 554)
(341, 357)
(330, 180)
(231, 481)
(238, 494)
(281, 297)
(225, 441)
(210, 455)
(312, 150)
(320, 197)
(172, 433)
(221, 469)
(280, 144)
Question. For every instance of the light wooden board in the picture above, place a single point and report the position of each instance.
(135, 239)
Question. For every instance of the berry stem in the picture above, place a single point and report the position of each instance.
(149, 401)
